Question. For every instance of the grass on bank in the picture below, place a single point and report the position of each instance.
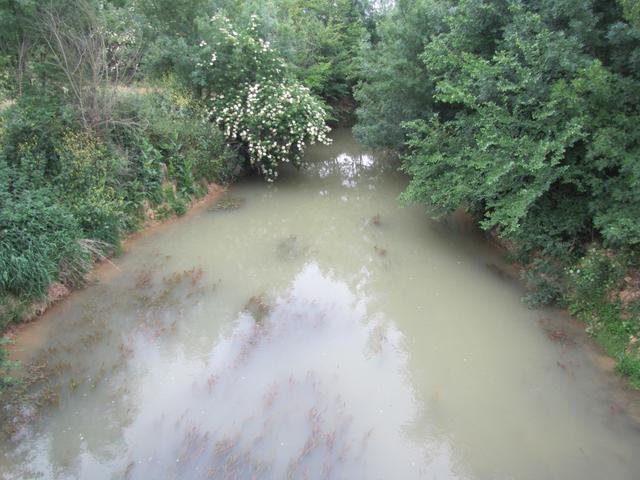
(603, 290)
(68, 196)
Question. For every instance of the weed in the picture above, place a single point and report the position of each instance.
(227, 202)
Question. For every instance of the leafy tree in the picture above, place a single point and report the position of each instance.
(536, 128)
(525, 114)
(170, 18)
(318, 39)
(394, 84)
(252, 98)
(632, 11)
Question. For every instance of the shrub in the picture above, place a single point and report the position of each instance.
(544, 280)
(172, 137)
(39, 119)
(253, 100)
(38, 234)
(630, 367)
(595, 276)
(89, 184)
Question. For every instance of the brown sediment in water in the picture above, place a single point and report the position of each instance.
(567, 331)
(33, 331)
(571, 330)
(44, 380)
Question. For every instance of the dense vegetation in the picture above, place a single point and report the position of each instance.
(526, 114)
(523, 113)
(112, 112)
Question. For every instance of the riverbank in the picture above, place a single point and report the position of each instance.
(378, 323)
(602, 292)
(600, 321)
(103, 267)
(69, 198)
(17, 313)
(32, 336)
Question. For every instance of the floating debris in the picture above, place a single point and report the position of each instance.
(227, 202)
(556, 335)
(143, 278)
(380, 251)
(291, 248)
(193, 275)
(560, 336)
(258, 308)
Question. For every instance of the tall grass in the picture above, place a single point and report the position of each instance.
(67, 196)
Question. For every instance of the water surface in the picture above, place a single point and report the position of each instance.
(314, 329)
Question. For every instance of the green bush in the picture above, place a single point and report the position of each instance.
(66, 200)
(524, 113)
(38, 236)
(545, 282)
(37, 122)
(173, 140)
(252, 98)
(630, 367)
(597, 274)
(395, 87)
(89, 183)
(593, 287)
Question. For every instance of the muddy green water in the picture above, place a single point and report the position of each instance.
(318, 330)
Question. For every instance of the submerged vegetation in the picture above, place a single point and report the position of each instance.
(525, 114)
(115, 112)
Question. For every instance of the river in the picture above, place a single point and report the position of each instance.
(314, 328)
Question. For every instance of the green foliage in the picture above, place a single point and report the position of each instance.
(270, 116)
(5, 77)
(15, 18)
(617, 332)
(6, 366)
(67, 195)
(394, 84)
(39, 240)
(170, 18)
(318, 38)
(545, 283)
(88, 179)
(631, 11)
(630, 367)
(36, 122)
(525, 114)
(528, 116)
(174, 202)
(594, 277)
(529, 126)
(179, 132)
(593, 295)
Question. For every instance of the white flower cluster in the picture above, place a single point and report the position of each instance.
(273, 120)
(270, 117)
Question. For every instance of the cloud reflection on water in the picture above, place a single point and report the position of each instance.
(315, 389)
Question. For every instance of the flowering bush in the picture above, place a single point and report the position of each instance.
(252, 99)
